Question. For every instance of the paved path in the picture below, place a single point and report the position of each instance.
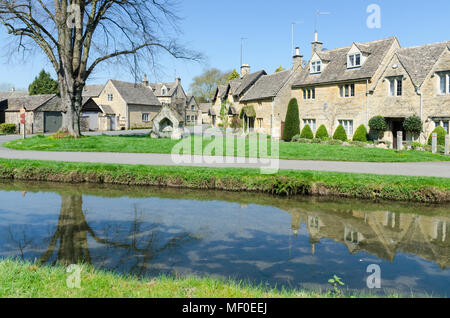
(422, 169)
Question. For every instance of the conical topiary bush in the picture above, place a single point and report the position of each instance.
(322, 133)
(340, 134)
(307, 133)
(292, 122)
(360, 134)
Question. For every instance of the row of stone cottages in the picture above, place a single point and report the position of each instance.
(116, 105)
(346, 86)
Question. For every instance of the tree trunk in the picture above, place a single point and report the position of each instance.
(71, 99)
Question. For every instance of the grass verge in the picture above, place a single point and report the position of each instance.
(288, 151)
(285, 183)
(27, 280)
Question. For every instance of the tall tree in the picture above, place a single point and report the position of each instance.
(204, 85)
(78, 35)
(233, 75)
(43, 84)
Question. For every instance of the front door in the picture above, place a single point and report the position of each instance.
(52, 122)
(397, 126)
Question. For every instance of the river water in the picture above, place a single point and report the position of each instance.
(279, 242)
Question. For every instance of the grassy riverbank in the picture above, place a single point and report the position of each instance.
(289, 151)
(286, 182)
(26, 280)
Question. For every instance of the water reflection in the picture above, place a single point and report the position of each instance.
(285, 242)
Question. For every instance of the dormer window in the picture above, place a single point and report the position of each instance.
(316, 67)
(163, 91)
(354, 60)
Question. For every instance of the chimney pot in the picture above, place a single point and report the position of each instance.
(245, 69)
(297, 59)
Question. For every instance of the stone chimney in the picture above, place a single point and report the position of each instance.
(145, 81)
(316, 45)
(13, 89)
(178, 81)
(245, 69)
(298, 59)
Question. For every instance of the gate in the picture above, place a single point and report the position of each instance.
(52, 122)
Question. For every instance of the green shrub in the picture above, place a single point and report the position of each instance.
(378, 125)
(360, 134)
(307, 133)
(316, 141)
(304, 141)
(8, 129)
(296, 138)
(357, 143)
(413, 125)
(440, 136)
(292, 122)
(236, 123)
(322, 133)
(334, 142)
(340, 134)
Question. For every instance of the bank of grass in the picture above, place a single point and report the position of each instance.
(289, 151)
(26, 280)
(284, 183)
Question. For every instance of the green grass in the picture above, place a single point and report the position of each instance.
(285, 182)
(290, 151)
(27, 280)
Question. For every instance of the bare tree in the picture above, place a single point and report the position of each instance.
(78, 35)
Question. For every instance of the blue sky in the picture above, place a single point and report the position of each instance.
(215, 28)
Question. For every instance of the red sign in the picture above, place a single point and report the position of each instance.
(22, 121)
(22, 116)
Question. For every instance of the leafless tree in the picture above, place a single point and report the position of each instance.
(78, 35)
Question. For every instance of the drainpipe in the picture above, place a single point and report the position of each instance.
(367, 103)
(419, 92)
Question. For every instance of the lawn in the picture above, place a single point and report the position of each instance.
(27, 280)
(285, 182)
(290, 151)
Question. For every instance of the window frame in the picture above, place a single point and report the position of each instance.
(347, 90)
(110, 97)
(145, 115)
(446, 77)
(346, 124)
(352, 60)
(393, 87)
(316, 67)
(312, 123)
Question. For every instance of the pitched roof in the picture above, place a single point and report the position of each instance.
(418, 61)
(267, 86)
(205, 107)
(157, 89)
(92, 90)
(221, 92)
(336, 69)
(137, 94)
(32, 103)
(239, 86)
(12, 94)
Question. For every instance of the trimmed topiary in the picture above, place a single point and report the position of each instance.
(440, 136)
(413, 125)
(360, 134)
(378, 125)
(340, 134)
(307, 133)
(292, 122)
(322, 133)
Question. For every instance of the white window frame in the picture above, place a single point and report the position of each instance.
(353, 64)
(145, 117)
(110, 97)
(348, 126)
(312, 123)
(309, 93)
(446, 77)
(393, 86)
(347, 91)
(316, 67)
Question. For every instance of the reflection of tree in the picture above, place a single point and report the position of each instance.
(71, 238)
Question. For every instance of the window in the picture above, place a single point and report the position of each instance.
(348, 126)
(110, 97)
(347, 90)
(193, 107)
(145, 117)
(260, 122)
(354, 60)
(316, 67)
(311, 123)
(444, 83)
(309, 93)
(163, 91)
(395, 87)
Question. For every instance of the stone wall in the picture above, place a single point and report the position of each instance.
(136, 111)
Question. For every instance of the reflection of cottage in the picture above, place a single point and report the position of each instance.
(168, 123)
(44, 113)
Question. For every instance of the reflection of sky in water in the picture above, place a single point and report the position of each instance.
(226, 239)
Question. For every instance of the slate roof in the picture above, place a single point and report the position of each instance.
(12, 94)
(267, 86)
(33, 103)
(221, 92)
(205, 107)
(240, 86)
(157, 89)
(92, 90)
(136, 94)
(336, 69)
(418, 61)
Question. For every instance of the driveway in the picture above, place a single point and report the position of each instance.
(420, 169)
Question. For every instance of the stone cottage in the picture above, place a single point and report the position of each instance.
(193, 112)
(126, 105)
(348, 86)
(44, 113)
